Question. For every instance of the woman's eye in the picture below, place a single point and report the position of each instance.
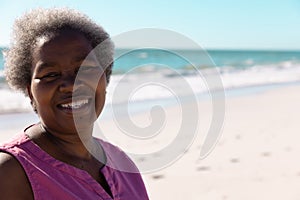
(50, 75)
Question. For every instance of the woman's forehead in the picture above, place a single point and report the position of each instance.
(67, 47)
(64, 37)
(64, 43)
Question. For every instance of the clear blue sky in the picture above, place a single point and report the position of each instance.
(221, 24)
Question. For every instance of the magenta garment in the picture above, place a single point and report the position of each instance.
(53, 179)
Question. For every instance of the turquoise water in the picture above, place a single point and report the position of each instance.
(249, 58)
(183, 59)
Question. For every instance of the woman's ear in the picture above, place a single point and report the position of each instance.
(29, 91)
(32, 102)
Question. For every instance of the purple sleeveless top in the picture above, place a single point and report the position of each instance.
(53, 179)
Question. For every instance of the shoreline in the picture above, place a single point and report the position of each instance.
(229, 93)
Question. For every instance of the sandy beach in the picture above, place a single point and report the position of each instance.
(255, 158)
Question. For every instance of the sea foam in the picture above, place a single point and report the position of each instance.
(163, 85)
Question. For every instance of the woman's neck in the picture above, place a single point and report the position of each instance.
(76, 145)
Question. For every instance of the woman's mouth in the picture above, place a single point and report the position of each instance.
(75, 106)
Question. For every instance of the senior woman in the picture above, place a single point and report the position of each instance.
(53, 62)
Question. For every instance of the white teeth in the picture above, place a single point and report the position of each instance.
(75, 104)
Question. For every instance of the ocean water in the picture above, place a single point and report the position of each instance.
(157, 75)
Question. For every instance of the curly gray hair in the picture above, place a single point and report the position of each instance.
(41, 22)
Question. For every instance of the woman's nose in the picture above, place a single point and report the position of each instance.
(69, 83)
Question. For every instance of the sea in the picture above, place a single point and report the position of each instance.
(160, 76)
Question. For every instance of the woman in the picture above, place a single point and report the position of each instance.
(53, 62)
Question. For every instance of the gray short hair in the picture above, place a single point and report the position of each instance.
(40, 22)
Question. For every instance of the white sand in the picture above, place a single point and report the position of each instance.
(256, 157)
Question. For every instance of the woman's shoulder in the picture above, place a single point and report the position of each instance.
(14, 183)
(13, 178)
(16, 140)
(9, 167)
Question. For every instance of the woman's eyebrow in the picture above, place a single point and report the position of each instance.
(44, 65)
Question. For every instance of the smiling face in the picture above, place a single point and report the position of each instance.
(65, 83)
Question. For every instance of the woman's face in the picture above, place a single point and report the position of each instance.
(57, 97)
